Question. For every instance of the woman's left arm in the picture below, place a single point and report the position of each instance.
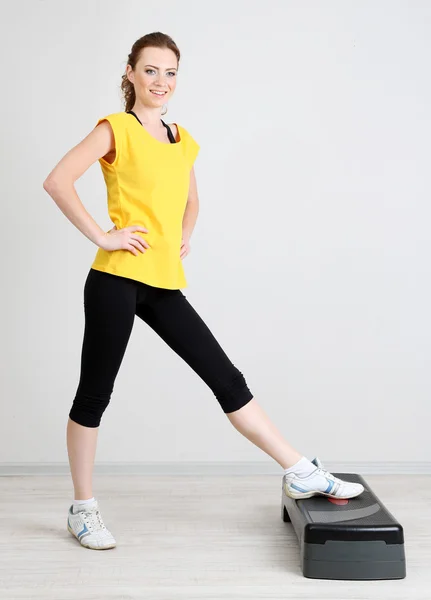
(190, 215)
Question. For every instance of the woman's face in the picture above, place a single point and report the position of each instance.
(155, 71)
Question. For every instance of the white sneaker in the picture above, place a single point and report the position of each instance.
(320, 482)
(88, 527)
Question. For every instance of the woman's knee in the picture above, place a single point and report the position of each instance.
(88, 407)
(233, 392)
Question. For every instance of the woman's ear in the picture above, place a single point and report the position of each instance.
(129, 73)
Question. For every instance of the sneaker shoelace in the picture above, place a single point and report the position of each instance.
(321, 469)
(326, 474)
(93, 520)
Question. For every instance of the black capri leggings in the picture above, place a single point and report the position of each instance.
(110, 305)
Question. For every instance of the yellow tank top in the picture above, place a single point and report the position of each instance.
(147, 185)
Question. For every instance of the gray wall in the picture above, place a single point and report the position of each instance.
(310, 260)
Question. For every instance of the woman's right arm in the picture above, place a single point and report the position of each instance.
(60, 182)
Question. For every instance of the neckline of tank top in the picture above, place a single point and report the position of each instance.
(172, 140)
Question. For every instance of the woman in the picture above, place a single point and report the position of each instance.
(153, 203)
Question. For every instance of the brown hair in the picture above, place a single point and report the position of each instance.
(155, 40)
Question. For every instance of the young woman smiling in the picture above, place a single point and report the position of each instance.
(153, 203)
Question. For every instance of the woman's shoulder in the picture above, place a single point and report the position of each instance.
(116, 118)
(179, 131)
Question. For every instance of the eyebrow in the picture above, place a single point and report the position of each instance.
(171, 69)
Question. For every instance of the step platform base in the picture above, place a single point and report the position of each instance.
(355, 539)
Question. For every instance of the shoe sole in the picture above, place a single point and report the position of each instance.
(303, 495)
(90, 547)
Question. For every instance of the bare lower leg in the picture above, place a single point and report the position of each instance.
(255, 425)
(81, 448)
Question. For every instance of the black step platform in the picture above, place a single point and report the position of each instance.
(356, 539)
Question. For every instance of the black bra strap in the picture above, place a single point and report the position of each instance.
(170, 134)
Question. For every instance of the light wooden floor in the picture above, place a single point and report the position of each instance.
(187, 537)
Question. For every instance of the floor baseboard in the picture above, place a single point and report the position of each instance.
(216, 468)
